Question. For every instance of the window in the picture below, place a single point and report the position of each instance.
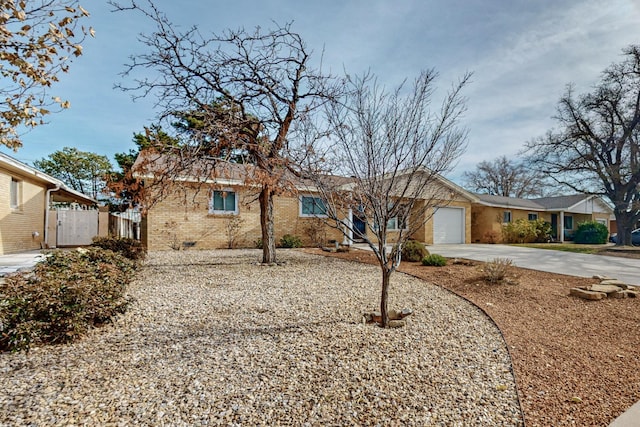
(312, 206)
(506, 216)
(223, 202)
(14, 198)
(533, 216)
(397, 223)
(568, 222)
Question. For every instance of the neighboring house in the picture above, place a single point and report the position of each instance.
(564, 213)
(219, 209)
(26, 195)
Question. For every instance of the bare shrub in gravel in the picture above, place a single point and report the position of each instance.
(497, 270)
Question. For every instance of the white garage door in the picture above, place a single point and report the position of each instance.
(448, 225)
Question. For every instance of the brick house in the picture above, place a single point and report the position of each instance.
(218, 208)
(564, 213)
(25, 196)
(222, 210)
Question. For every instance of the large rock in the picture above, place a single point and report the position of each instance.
(618, 295)
(614, 282)
(606, 288)
(586, 294)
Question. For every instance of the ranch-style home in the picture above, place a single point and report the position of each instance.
(564, 213)
(218, 208)
(26, 222)
(222, 210)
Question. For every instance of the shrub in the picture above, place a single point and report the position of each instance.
(258, 244)
(491, 237)
(413, 251)
(290, 241)
(524, 231)
(496, 270)
(67, 293)
(434, 260)
(591, 232)
(128, 248)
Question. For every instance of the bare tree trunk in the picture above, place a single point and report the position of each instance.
(384, 298)
(266, 223)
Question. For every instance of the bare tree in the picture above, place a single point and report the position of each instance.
(249, 89)
(38, 38)
(505, 177)
(394, 149)
(596, 148)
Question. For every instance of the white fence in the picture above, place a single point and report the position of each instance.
(125, 224)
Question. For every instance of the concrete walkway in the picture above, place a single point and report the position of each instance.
(573, 264)
(12, 263)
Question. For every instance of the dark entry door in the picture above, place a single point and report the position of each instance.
(360, 228)
(554, 225)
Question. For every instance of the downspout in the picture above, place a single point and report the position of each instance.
(46, 213)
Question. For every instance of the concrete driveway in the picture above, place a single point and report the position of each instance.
(573, 264)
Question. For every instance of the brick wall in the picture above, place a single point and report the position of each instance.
(183, 218)
(18, 225)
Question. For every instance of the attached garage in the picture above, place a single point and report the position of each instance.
(448, 225)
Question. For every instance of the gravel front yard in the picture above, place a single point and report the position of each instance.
(213, 338)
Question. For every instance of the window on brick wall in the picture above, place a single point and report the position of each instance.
(397, 223)
(568, 222)
(15, 193)
(533, 216)
(506, 217)
(223, 202)
(312, 207)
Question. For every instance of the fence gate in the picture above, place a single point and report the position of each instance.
(76, 227)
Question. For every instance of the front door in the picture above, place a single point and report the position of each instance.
(359, 228)
(554, 226)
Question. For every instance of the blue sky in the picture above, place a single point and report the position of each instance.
(522, 53)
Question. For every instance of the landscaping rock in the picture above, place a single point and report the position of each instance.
(631, 294)
(376, 317)
(606, 288)
(396, 323)
(614, 282)
(586, 294)
(618, 295)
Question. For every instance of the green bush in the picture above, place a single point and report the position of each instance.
(413, 251)
(434, 260)
(129, 248)
(67, 293)
(525, 231)
(290, 241)
(591, 232)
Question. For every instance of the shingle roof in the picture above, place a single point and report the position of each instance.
(555, 203)
(503, 201)
(561, 202)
